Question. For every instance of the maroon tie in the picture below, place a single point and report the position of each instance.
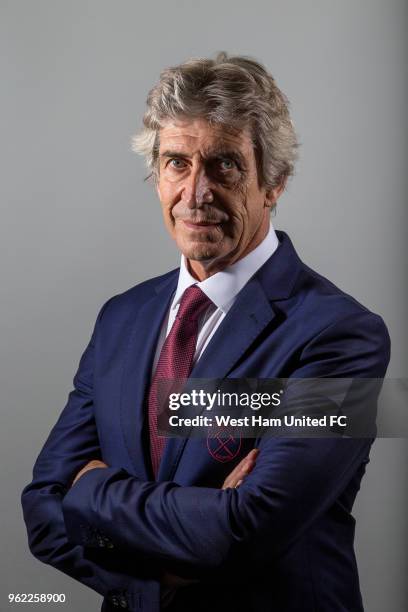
(176, 359)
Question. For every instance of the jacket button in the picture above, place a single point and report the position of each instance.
(107, 542)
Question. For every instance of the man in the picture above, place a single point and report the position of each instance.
(141, 519)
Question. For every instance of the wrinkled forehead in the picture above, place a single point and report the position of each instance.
(198, 134)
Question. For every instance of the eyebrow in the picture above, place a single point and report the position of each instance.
(174, 154)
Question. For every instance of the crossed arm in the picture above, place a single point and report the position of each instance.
(161, 524)
(199, 528)
(233, 480)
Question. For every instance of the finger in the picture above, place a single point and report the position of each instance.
(244, 467)
(234, 475)
(229, 482)
(232, 479)
(249, 462)
(250, 459)
(94, 463)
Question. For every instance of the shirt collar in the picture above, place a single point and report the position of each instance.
(223, 287)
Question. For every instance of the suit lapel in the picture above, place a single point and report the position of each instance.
(141, 347)
(251, 312)
(246, 319)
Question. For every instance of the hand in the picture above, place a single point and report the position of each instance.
(94, 463)
(243, 468)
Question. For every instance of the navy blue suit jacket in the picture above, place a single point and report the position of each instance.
(282, 541)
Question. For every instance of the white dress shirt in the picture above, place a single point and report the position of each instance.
(222, 288)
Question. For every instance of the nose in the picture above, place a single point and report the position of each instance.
(197, 189)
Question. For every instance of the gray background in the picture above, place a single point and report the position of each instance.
(79, 224)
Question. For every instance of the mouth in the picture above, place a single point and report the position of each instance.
(199, 225)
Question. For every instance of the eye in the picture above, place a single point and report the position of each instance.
(227, 164)
(176, 163)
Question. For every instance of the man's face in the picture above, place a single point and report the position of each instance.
(208, 186)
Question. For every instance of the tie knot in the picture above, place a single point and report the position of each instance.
(193, 304)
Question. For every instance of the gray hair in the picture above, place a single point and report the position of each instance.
(236, 91)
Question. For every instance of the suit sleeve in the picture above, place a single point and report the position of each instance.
(71, 444)
(295, 479)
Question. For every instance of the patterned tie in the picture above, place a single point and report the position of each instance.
(176, 359)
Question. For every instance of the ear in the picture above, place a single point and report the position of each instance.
(273, 194)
